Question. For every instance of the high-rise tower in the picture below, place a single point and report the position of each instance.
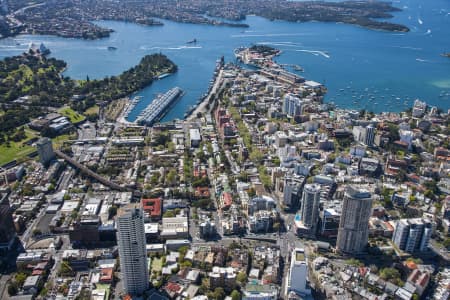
(353, 231)
(132, 251)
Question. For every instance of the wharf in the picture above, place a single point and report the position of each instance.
(156, 109)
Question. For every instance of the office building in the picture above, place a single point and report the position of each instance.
(132, 252)
(45, 151)
(413, 235)
(298, 274)
(353, 230)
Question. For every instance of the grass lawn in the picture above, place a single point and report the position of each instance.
(157, 264)
(60, 139)
(16, 150)
(73, 116)
(92, 110)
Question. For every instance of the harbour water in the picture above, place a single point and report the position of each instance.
(362, 68)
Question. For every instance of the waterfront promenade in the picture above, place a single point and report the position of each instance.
(202, 106)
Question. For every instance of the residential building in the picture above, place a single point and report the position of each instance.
(419, 108)
(152, 208)
(45, 150)
(310, 209)
(132, 251)
(195, 137)
(370, 135)
(298, 273)
(222, 277)
(292, 106)
(175, 228)
(7, 229)
(353, 230)
(292, 191)
(413, 235)
(255, 291)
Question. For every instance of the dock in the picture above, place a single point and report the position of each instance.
(156, 109)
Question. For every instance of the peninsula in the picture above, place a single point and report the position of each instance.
(73, 18)
(33, 85)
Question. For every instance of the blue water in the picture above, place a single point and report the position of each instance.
(362, 68)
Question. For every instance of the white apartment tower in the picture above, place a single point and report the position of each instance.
(413, 235)
(353, 232)
(132, 250)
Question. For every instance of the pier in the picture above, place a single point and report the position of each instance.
(155, 110)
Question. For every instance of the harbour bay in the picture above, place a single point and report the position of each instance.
(374, 70)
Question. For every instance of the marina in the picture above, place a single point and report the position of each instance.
(159, 106)
(131, 106)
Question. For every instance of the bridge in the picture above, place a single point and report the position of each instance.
(91, 173)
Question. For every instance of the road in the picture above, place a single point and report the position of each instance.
(3, 284)
(12, 16)
(29, 231)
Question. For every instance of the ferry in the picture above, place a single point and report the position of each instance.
(163, 75)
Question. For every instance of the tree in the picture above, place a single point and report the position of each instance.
(354, 262)
(13, 289)
(169, 214)
(251, 192)
(276, 226)
(389, 274)
(235, 295)
(20, 278)
(219, 293)
(241, 278)
(112, 211)
(37, 232)
(171, 177)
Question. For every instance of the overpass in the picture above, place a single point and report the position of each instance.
(92, 174)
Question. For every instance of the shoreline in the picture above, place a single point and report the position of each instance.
(201, 107)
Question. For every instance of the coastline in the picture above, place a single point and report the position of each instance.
(201, 107)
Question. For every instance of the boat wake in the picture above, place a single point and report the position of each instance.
(284, 44)
(170, 48)
(409, 48)
(422, 60)
(268, 35)
(315, 52)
